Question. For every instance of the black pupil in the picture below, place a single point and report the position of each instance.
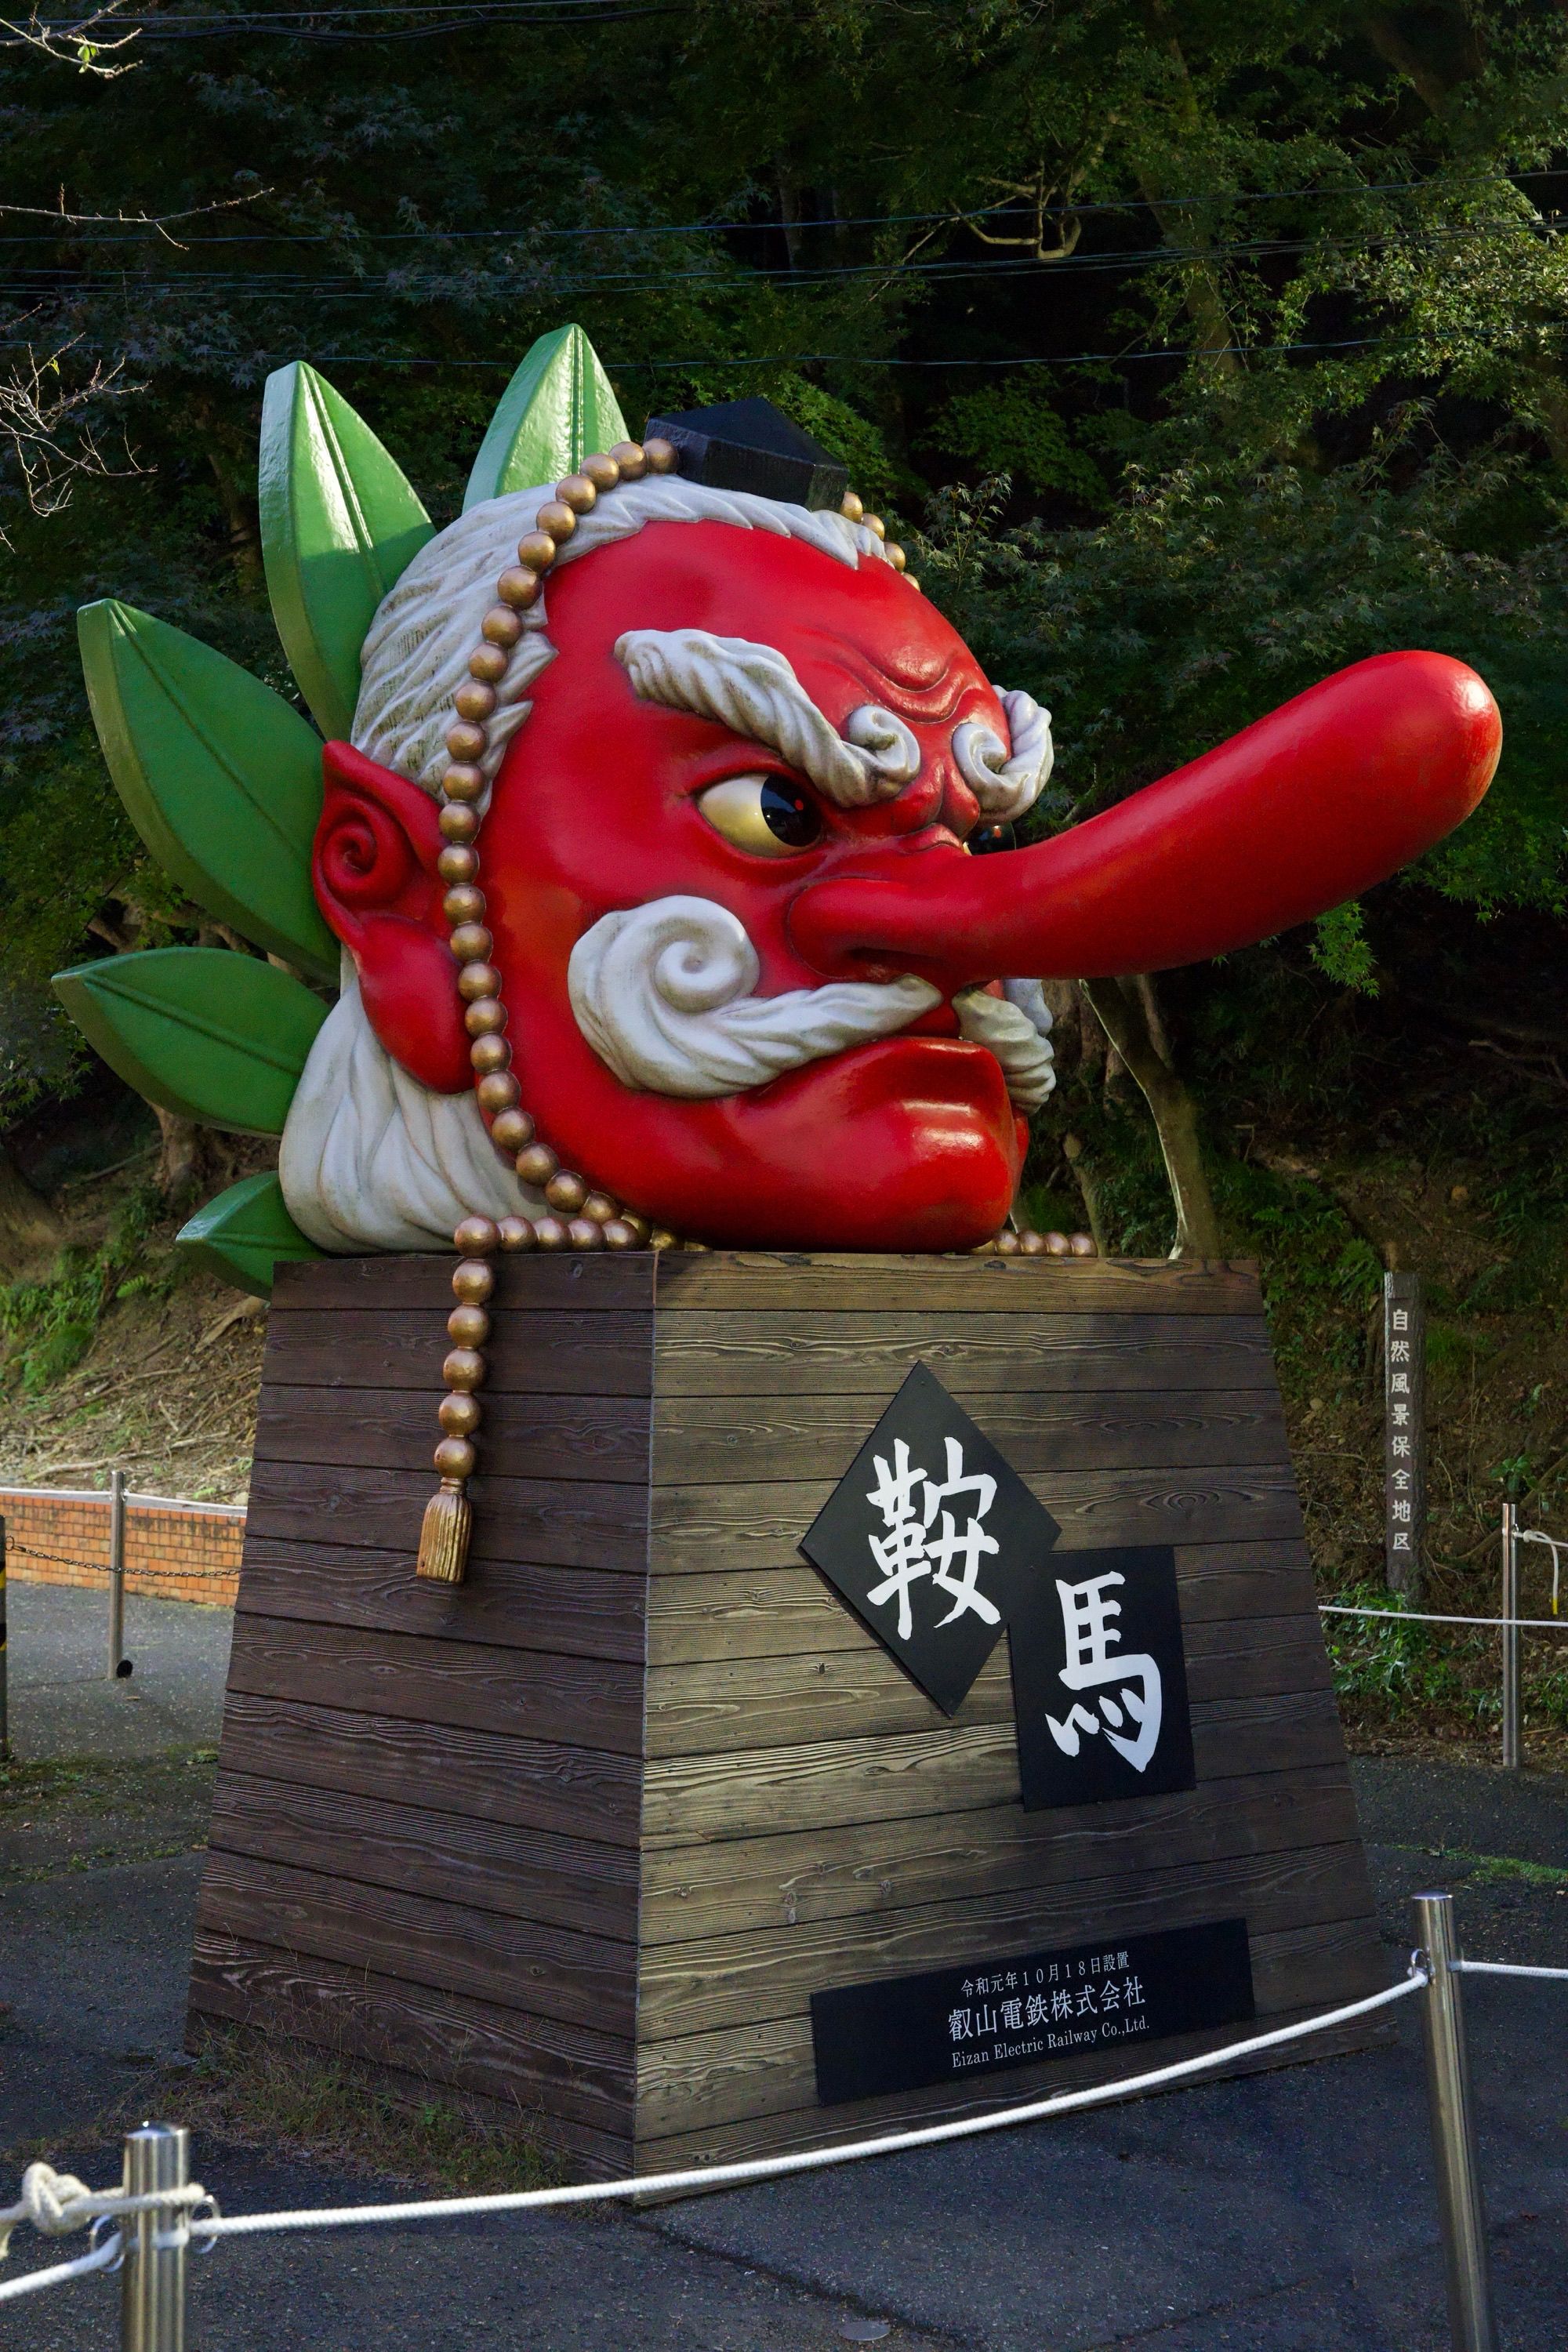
(987, 837)
(790, 815)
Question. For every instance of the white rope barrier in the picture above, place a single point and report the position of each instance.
(57, 2202)
(1503, 1968)
(1425, 1617)
(1556, 1546)
(767, 2167)
(103, 2258)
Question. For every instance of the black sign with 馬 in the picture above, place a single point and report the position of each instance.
(931, 1539)
(1099, 1680)
(1122, 1993)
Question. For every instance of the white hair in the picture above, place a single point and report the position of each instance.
(370, 1159)
(416, 655)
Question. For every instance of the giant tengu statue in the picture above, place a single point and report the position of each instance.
(651, 795)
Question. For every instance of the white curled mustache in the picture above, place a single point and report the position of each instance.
(665, 995)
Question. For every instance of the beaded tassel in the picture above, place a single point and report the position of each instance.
(577, 1216)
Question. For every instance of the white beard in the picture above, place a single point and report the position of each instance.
(372, 1161)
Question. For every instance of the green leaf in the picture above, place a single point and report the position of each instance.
(244, 1234)
(557, 409)
(201, 1031)
(221, 779)
(340, 526)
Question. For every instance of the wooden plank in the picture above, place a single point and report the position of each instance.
(698, 1529)
(1228, 1581)
(528, 1873)
(749, 1884)
(617, 1283)
(831, 2127)
(592, 1438)
(833, 1783)
(800, 1282)
(478, 1776)
(780, 1612)
(580, 1702)
(593, 1616)
(736, 1980)
(741, 1703)
(544, 1353)
(705, 2080)
(724, 1441)
(548, 1521)
(868, 1355)
(592, 2155)
(536, 2064)
(564, 1973)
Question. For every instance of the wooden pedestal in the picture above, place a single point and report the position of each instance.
(580, 1838)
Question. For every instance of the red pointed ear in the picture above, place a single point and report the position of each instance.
(376, 883)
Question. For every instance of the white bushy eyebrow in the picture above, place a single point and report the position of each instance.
(1006, 784)
(752, 690)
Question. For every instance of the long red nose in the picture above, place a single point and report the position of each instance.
(1330, 793)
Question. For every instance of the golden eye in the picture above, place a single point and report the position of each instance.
(762, 813)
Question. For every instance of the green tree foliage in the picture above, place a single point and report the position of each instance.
(1228, 340)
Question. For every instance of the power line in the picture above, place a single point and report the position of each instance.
(719, 362)
(772, 227)
(362, 286)
(334, 23)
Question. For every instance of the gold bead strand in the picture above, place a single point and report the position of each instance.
(449, 1514)
(579, 1218)
(589, 1219)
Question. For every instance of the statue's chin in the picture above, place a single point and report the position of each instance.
(907, 1144)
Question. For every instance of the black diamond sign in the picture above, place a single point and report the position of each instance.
(932, 1540)
(1099, 1680)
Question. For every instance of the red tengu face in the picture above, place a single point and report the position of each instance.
(609, 802)
(606, 801)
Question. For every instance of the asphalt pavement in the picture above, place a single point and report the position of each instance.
(62, 1702)
(1292, 2212)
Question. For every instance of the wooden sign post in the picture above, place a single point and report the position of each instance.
(1404, 1431)
(674, 1845)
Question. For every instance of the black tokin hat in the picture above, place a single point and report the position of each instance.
(750, 444)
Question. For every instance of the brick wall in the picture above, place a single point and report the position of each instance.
(174, 1552)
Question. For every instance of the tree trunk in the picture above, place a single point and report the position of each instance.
(1204, 296)
(1073, 1148)
(1120, 1005)
(1181, 225)
(177, 1156)
(1435, 54)
(29, 1229)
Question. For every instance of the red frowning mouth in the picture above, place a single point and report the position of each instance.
(941, 1021)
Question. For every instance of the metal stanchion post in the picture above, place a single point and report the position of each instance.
(1460, 2208)
(1510, 1741)
(119, 1663)
(152, 2283)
